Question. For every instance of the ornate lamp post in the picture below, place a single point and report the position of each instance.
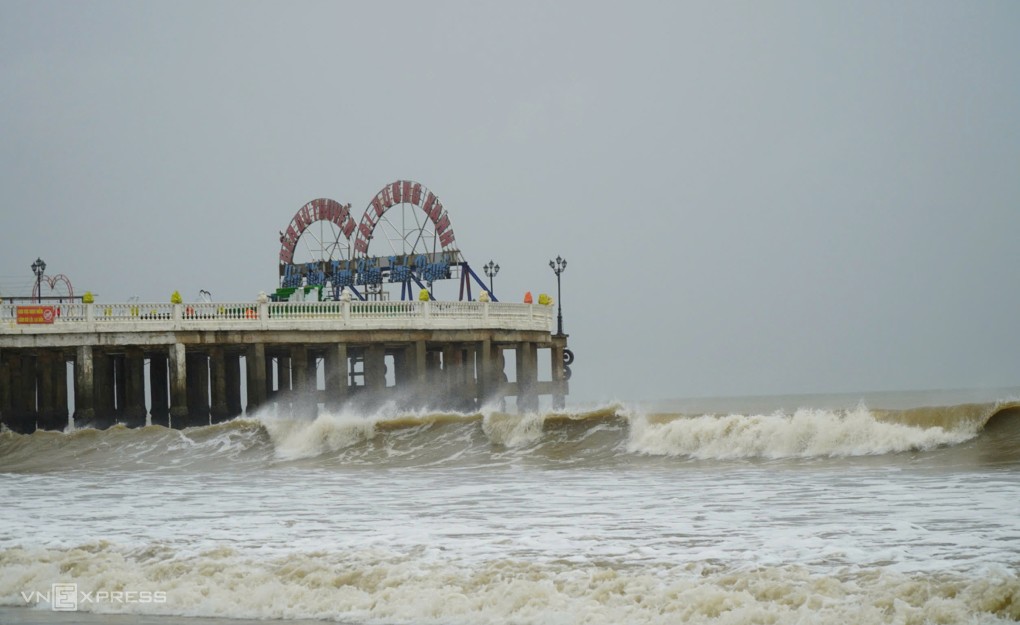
(38, 268)
(491, 269)
(558, 267)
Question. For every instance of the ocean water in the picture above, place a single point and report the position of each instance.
(894, 508)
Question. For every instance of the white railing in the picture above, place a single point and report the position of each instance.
(141, 317)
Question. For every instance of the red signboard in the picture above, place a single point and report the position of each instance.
(36, 314)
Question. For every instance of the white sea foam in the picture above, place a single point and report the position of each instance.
(376, 586)
(806, 433)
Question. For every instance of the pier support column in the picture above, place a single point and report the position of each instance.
(159, 390)
(451, 370)
(61, 412)
(436, 389)
(104, 390)
(119, 386)
(303, 403)
(5, 388)
(272, 377)
(255, 365)
(17, 416)
(178, 386)
(233, 379)
(52, 385)
(336, 376)
(405, 377)
(299, 362)
(44, 386)
(375, 370)
(559, 383)
(84, 386)
(527, 377)
(487, 384)
(29, 394)
(218, 371)
(471, 384)
(198, 389)
(133, 362)
(421, 368)
(459, 392)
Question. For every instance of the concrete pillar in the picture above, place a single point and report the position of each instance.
(133, 362)
(179, 416)
(272, 377)
(284, 383)
(303, 397)
(44, 386)
(159, 390)
(375, 370)
(336, 376)
(284, 373)
(233, 373)
(458, 359)
(5, 388)
(421, 367)
(403, 376)
(84, 386)
(104, 391)
(527, 377)
(454, 376)
(218, 386)
(299, 364)
(52, 384)
(198, 389)
(60, 407)
(255, 361)
(435, 389)
(559, 384)
(470, 384)
(119, 385)
(486, 371)
(30, 392)
(15, 418)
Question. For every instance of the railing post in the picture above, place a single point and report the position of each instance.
(90, 316)
(345, 307)
(177, 315)
(485, 311)
(426, 310)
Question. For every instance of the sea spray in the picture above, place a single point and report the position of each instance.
(306, 438)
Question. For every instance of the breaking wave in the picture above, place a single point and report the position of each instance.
(606, 434)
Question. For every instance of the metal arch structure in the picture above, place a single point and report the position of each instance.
(53, 281)
(408, 192)
(408, 216)
(322, 209)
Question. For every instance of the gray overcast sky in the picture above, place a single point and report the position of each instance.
(754, 198)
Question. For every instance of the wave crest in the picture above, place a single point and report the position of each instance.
(806, 433)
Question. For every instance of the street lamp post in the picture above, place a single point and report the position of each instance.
(491, 269)
(38, 268)
(559, 266)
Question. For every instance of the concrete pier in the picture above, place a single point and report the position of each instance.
(222, 360)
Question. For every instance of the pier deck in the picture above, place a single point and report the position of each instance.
(189, 364)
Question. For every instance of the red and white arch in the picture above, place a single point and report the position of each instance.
(321, 209)
(406, 192)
